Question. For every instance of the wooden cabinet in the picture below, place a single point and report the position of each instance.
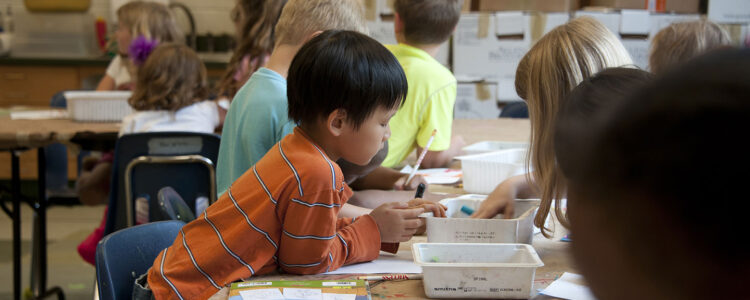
(35, 85)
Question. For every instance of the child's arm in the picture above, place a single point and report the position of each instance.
(314, 240)
(438, 159)
(501, 199)
(106, 84)
(383, 178)
(375, 198)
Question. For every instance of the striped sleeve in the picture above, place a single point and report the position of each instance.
(312, 243)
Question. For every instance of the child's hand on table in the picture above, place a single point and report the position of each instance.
(397, 222)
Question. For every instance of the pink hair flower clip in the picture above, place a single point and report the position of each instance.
(140, 48)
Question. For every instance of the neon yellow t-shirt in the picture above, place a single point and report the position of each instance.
(429, 105)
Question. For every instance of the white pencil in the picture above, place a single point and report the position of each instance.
(421, 156)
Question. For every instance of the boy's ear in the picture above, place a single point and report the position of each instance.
(398, 24)
(311, 36)
(336, 122)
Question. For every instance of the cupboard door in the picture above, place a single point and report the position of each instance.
(34, 86)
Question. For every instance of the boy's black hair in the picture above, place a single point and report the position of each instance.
(677, 149)
(584, 104)
(346, 70)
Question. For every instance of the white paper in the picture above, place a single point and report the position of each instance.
(569, 286)
(327, 296)
(437, 175)
(303, 294)
(39, 114)
(387, 263)
(258, 294)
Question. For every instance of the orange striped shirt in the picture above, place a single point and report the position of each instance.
(282, 213)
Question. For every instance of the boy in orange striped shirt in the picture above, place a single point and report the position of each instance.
(343, 88)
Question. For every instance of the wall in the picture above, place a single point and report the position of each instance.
(210, 16)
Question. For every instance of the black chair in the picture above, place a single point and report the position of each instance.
(144, 163)
(124, 255)
(518, 110)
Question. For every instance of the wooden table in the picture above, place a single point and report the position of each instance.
(17, 136)
(553, 253)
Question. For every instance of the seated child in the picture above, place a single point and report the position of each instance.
(169, 96)
(656, 196)
(343, 88)
(679, 42)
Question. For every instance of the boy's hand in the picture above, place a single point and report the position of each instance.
(402, 185)
(437, 209)
(396, 221)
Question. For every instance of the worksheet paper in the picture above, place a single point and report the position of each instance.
(436, 176)
(569, 286)
(387, 263)
(258, 294)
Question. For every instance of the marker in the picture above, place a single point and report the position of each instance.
(391, 277)
(467, 210)
(420, 191)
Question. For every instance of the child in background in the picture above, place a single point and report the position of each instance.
(555, 65)
(420, 27)
(282, 214)
(659, 206)
(150, 20)
(680, 42)
(254, 21)
(258, 116)
(169, 96)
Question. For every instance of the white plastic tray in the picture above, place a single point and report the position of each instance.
(492, 146)
(457, 227)
(483, 172)
(94, 106)
(504, 271)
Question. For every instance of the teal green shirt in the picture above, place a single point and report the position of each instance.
(256, 120)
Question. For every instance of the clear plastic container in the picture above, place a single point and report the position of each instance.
(500, 271)
(492, 146)
(457, 227)
(94, 106)
(483, 172)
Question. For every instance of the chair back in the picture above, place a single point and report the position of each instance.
(144, 163)
(124, 255)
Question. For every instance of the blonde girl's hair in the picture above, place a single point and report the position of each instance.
(301, 18)
(172, 77)
(256, 19)
(151, 20)
(680, 42)
(555, 65)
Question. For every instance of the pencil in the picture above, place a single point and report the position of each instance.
(391, 277)
(421, 156)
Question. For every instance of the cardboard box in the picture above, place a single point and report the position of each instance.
(532, 5)
(382, 31)
(476, 100)
(729, 11)
(677, 6)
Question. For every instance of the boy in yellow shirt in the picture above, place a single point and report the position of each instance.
(420, 27)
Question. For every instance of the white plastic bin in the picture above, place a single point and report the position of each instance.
(483, 172)
(503, 271)
(457, 227)
(492, 146)
(94, 106)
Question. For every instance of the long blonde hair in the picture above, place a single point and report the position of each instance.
(555, 65)
(680, 42)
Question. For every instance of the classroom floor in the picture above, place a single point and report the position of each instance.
(67, 227)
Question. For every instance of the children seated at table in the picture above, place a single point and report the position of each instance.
(169, 96)
(656, 196)
(420, 27)
(343, 88)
